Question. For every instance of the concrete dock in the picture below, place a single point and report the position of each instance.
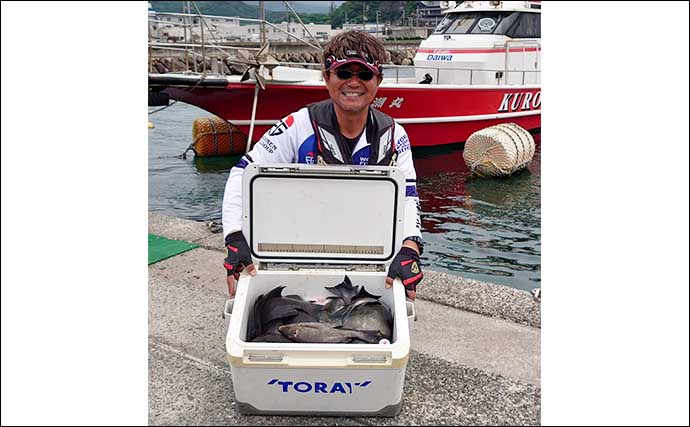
(475, 357)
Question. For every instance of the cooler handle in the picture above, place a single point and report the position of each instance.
(227, 311)
(411, 313)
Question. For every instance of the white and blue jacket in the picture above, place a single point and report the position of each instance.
(311, 136)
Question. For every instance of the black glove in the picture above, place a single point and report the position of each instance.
(238, 253)
(406, 265)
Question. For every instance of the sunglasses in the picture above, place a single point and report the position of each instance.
(364, 75)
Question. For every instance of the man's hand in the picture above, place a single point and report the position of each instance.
(406, 265)
(239, 258)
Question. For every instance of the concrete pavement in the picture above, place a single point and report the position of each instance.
(465, 368)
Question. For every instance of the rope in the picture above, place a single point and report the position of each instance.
(163, 108)
(498, 150)
(201, 79)
(215, 134)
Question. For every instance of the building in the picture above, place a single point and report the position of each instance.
(322, 32)
(170, 27)
(429, 12)
(370, 27)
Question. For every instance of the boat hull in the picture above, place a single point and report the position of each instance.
(431, 114)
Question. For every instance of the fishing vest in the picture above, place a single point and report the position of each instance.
(331, 145)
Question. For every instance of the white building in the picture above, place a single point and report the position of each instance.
(370, 27)
(169, 27)
(252, 32)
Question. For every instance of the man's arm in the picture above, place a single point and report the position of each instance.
(406, 264)
(278, 145)
(413, 223)
(275, 146)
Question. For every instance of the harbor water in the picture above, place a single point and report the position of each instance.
(486, 229)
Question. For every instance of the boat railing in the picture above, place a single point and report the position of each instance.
(188, 24)
(471, 72)
(404, 69)
(511, 45)
(500, 75)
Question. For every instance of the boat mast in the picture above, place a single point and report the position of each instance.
(262, 17)
(364, 18)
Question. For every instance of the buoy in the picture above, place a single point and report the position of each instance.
(499, 150)
(214, 136)
(150, 125)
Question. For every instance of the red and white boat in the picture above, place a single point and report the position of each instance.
(483, 60)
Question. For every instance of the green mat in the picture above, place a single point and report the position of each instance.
(161, 248)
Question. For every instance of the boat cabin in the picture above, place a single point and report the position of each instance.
(484, 42)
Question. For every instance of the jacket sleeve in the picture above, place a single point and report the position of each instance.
(278, 145)
(413, 222)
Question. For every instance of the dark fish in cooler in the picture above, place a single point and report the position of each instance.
(254, 322)
(346, 310)
(371, 316)
(316, 332)
(272, 338)
(364, 294)
(332, 306)
(351, 315)
(344, 290)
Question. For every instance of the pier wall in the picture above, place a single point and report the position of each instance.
(214, 59)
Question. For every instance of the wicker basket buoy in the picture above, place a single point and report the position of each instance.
(213, 136)
(499, 150)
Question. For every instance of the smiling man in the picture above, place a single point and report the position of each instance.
(344, 129)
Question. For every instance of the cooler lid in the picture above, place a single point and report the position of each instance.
(323, 214)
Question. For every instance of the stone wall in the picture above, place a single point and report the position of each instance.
(167, 62)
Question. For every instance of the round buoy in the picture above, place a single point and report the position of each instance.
(499, 150)
(214, 136)
(150, 125)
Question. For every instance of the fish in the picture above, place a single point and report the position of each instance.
(333, 305)
(254, 323)
(345, 290)
(351, 314)
(364, 294)
(371, 316)
(272, 338)
(273, 310)
(316, 332)
(346, 310)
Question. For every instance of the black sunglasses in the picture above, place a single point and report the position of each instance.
(364, 75)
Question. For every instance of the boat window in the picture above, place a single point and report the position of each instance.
(479, 22)
(528, 26)
(502, 21)
(462, 23)
(441, 27)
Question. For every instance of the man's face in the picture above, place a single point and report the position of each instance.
(353, 94)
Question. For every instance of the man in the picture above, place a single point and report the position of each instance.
(341, 130)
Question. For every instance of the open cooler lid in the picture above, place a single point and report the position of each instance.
(323, 214)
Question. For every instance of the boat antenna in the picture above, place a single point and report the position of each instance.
(262, 17)
(287, 3)
(203, 22)
(364, 16)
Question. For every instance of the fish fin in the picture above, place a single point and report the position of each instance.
(275, 292)
(335, 290)
(364, 294)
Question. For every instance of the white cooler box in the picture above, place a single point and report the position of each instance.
(309, 226)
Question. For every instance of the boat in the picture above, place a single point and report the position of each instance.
(480, 67)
